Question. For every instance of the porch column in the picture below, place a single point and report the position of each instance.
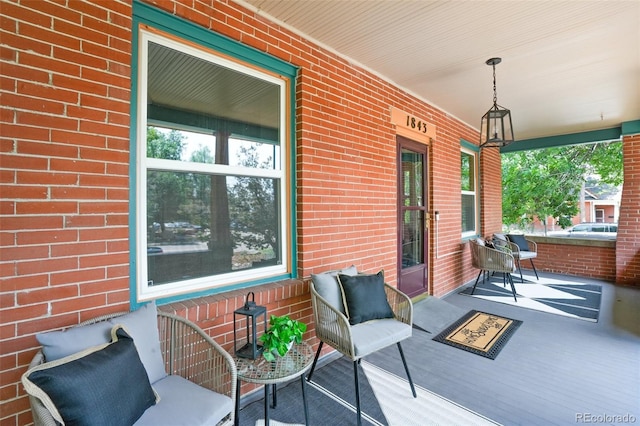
(628, 241)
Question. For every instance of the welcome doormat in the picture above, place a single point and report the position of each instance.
(554, 295)
(479, 333)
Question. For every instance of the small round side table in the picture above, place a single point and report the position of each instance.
(269, 373)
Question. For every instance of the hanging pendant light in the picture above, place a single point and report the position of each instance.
(496, 129)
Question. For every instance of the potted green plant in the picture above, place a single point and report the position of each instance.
(282, 333)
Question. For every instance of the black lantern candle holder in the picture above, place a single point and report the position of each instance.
(251, 313)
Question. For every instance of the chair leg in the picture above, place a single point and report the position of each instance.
(513, 287)
(474, 286)
(406, 368)
(534, 268)
(520, 269)
(315, 360)
(355, 376)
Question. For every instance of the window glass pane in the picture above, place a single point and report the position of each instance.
(201, 98)
(212, 161)
(468, 172)
(412, 238)
(412, 178)
(172, 144)
(468, 213)
(206, 224)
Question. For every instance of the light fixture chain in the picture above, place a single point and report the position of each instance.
(495, 91)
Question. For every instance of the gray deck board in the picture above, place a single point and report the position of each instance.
(553, 368)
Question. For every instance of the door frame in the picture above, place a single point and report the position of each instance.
(403, 142)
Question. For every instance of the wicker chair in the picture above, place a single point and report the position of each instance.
(187, 351)
(521, 249)
(357, 341)
(490, 260)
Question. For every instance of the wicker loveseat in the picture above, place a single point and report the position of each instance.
(197, 386)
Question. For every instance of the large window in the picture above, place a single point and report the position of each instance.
(469, 193)
(212, 178)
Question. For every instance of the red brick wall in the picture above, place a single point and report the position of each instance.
(585, 258)
(628, 241)
(64, 158)
(491, 181)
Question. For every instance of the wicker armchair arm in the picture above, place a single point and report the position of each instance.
(190, 353)
(533, 246)
(497, 261)
(489, 259)
(515, 249)
(400, 304)
(332, 326)
(41, 415)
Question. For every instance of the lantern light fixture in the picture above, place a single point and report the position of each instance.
(253, 315)
(496, 129)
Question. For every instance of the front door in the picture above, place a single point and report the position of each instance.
(413, 231)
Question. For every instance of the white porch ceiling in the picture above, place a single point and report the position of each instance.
(567, 66)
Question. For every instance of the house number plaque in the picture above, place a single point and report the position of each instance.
(411, 126)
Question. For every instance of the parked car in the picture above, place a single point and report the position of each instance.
(598, 230)
(154, 250)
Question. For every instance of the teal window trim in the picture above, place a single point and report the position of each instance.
(156, 18)
(470, 146)
(144, 14)
(475, 150)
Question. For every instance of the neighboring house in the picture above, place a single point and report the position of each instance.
(604, 207)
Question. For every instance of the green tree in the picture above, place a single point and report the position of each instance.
(166, 191)
(162, 145)
(197, 209)
(547, 183)
(253, 205)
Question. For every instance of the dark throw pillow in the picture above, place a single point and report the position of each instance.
(101, 386)
(520, 241)
(365, 298)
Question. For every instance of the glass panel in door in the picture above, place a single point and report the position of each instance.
(412, 211)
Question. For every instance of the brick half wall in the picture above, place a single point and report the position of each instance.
(575, 256)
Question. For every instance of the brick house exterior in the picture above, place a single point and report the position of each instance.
(66, 77)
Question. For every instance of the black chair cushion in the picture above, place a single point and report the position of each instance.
(101, 386)
(519, 240)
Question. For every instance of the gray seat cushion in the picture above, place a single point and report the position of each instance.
(374, 335)
(185, 403)
(527, 255)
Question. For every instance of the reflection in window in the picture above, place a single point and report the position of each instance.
(413, 214)
(192, 235)
(412, 238)
(189, 146)
(211, 171)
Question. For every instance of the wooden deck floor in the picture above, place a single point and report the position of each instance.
(554, 370)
